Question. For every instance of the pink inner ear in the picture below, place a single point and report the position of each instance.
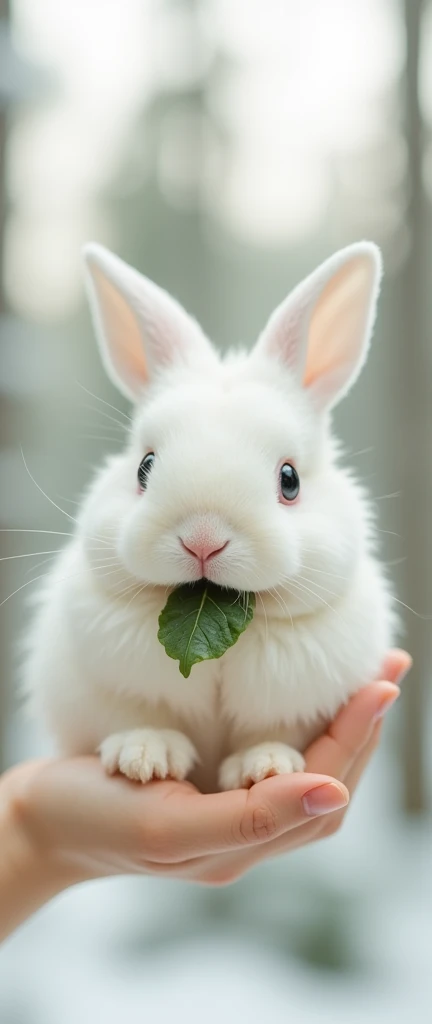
(322, 330)
(338, 327)
(139, 327)
(122, 333)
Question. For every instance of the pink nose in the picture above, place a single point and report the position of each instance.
(203, 551)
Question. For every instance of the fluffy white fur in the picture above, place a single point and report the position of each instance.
(220, 429)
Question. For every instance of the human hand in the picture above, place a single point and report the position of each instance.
(74, 815)
(73, 823)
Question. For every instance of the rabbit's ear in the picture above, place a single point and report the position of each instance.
(323, 329)
(139, 327)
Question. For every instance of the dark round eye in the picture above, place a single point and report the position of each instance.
(144, 469)
(289, 482)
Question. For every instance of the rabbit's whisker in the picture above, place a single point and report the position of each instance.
(324, 572)
(362, 451)
(297, 598)
(53, 533)
(100, 563)
(265, 614)
(37, 566)
(34, 554)
(131, 586)
(319, 585)
(307, 590)
(102, 400)
(418, 615)
(42, 576)
(139, 591)
(282, 604)
(109, 427)
(45, 495)
(117, 424)
(70, 501)
(53, 503)
(100, 437)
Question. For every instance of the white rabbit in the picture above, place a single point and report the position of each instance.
(230, 472)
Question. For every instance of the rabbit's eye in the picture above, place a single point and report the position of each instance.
(144, 469)
(289, 482)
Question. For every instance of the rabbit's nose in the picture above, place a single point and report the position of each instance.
(203, 551)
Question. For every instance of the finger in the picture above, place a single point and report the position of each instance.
(321, 828)
(364, 734)
(395, 666)
(360, 764)
(262, 816)
(351, 780)
(335, 751)
(347, 747)
(188, 824)
(307, 833)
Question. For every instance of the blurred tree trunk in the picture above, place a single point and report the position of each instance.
(415, 399)
(4, 17)
(3, 117)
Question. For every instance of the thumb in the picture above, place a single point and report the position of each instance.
(196, 824)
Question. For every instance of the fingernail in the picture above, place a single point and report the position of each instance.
(386, 703)
(324, 799)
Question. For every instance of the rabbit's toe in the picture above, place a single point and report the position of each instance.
(145, 754)
(242, 770)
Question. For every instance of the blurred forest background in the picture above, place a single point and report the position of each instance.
(225, 147)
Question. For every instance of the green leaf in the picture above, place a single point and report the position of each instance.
(201, 621)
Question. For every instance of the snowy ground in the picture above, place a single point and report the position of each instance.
(96, 953)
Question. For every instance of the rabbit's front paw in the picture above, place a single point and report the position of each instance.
(145, 754)
(241, 770)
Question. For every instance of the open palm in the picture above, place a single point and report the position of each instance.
(86, 825)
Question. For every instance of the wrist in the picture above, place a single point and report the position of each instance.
(30, 874)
